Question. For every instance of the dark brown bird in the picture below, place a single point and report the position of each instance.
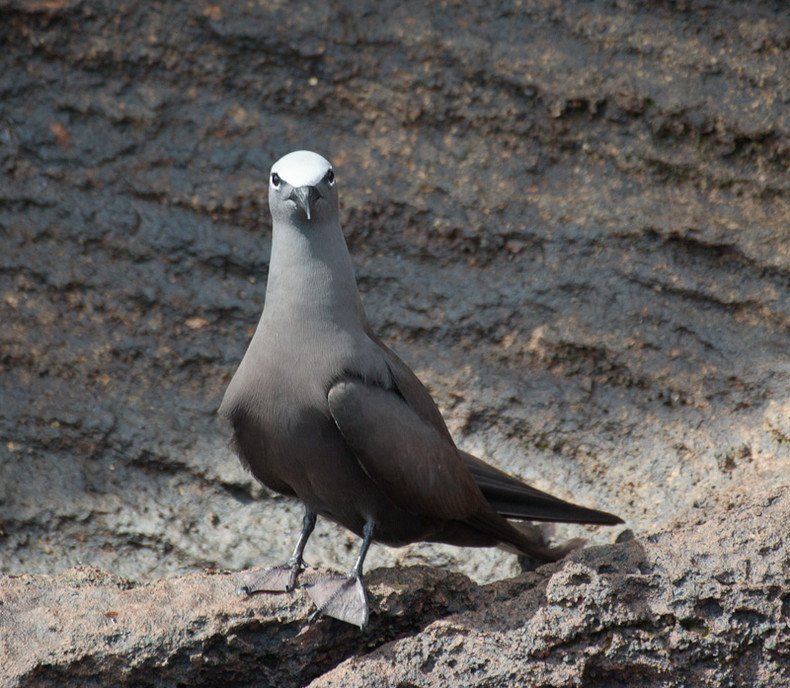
(324, 412)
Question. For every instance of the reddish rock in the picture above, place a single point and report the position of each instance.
(705, 604)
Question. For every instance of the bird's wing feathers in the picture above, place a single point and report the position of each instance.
(514, 499)
(507, 495)
(413, 391)
(418, 467)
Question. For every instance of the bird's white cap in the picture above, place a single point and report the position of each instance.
(302, 168)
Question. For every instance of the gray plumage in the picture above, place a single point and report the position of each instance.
(323, 411)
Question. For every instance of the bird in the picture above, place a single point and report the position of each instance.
(323, 411)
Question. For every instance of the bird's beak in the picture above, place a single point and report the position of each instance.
(306, 197)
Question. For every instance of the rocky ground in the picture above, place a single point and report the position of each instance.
(571, 218)
(706, 603)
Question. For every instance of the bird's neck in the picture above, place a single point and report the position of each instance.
(311, 279)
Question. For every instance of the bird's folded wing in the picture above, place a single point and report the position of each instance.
(416, 466)
(412, 390)
(514, 499)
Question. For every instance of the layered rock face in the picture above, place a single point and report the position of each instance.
(570, 218)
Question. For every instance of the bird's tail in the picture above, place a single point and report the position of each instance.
(535, 548)
(512, 498)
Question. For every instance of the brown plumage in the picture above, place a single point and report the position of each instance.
(323, 411)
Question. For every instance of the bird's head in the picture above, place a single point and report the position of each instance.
(302, 189)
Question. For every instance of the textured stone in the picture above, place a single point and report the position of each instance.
(571, 218)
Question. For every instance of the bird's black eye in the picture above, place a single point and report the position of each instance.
(330, 178)
(275, 179)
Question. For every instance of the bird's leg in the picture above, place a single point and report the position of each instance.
(344, 597)
(295, 562)
(280, 578)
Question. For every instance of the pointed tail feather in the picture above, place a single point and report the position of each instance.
(512, 498)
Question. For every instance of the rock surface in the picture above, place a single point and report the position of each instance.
(707, 603)
(571, 218)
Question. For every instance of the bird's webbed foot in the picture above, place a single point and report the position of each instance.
(341, 597)
(275, 579)
(344, 597)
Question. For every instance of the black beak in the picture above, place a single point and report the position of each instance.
(305, 197)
